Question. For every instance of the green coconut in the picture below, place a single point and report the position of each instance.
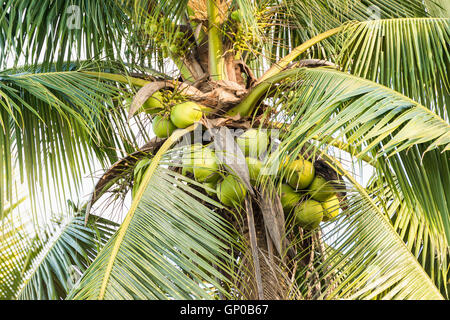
(289, 198)
(253, 142)
(321, 189)
(254, 168)
(185, 114)
(162, 126)
(300, 174)
(331, 208)
(230, 191)
(205, 165)
(154, 104)
(309, 214)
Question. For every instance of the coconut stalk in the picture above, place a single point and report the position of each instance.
(215, 48)
(247, 105)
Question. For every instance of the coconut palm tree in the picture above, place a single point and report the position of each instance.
(316, 79)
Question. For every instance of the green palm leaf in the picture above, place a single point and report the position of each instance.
(369, 259)
(65, 256)
(45, 265)
(51, 122)
(305, 19)
(15, 249)
(439, 8)
(367, 111)
(422, 179)
(168, 249)
(409, 55)
(429, 247)
(374, 119)
(80, 26)
(417, 67)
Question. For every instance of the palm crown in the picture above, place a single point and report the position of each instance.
(304, 81)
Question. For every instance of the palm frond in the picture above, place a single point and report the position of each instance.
(65, 256)
(366, 259)
(321, 101)
(300, 21)
(417, 67)
(44, 264)
(15, 245)
(170, 249)
(438, 8)
(409, 55)
(52, 31)
(422, 178)
(428, 247)
(53, 121)
(407, 138)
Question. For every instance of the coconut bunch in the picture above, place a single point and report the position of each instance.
(306, 194)
(170, 112)
(200, 161)
(309, 192)
(306, 190)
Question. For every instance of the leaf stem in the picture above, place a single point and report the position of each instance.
(283, 62)
(118, 78)
(245, 107)
(216, 61)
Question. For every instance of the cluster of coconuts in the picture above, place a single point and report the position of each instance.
(309, 196)
(168, 117)
(201, 161)
(321, 203)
